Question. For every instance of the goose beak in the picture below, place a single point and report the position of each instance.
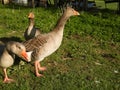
(76, 13)
(24, 55)
(31, 15)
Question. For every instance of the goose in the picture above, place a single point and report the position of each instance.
(45, 44)
(31, 31)
(7, 57)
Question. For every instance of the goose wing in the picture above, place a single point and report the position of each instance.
(35, 42)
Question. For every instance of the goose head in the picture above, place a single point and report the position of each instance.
(71, 12)
(31, 15)
(17, 49)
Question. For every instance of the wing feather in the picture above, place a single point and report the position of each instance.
(35, 43)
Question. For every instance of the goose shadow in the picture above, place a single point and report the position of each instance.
(3, 42)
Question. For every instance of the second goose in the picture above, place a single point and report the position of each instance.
(31, 31)
(45, 44)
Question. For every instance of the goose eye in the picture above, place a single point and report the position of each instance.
(18, 47)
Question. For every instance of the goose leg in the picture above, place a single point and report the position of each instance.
(37, 69)
(6, 79)
(41, 68)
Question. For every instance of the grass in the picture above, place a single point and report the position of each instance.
(101, 4)
(88, 58)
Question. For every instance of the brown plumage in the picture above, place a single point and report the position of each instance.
(31, 31)
(45, 44)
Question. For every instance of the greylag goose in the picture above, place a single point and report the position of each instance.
(45, 44)
(8, 55)
(31, 31)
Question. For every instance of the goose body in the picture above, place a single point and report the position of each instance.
(31, 31)
(45, 44)
(7, 57)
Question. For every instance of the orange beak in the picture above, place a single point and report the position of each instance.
(24, 55)
(76, 13)
(31, 15)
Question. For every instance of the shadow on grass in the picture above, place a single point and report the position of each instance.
(97, 10)
(4, 40)
(54, 8)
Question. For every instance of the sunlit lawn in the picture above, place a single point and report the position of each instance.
(88, 58)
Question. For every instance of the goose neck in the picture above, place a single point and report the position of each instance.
(31, 22)
(61, 23)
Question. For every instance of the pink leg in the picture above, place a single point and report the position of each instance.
(37, 68)
(6, 79)
(41, 68)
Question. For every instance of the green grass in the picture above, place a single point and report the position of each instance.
(88, 58)
(101, 4)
